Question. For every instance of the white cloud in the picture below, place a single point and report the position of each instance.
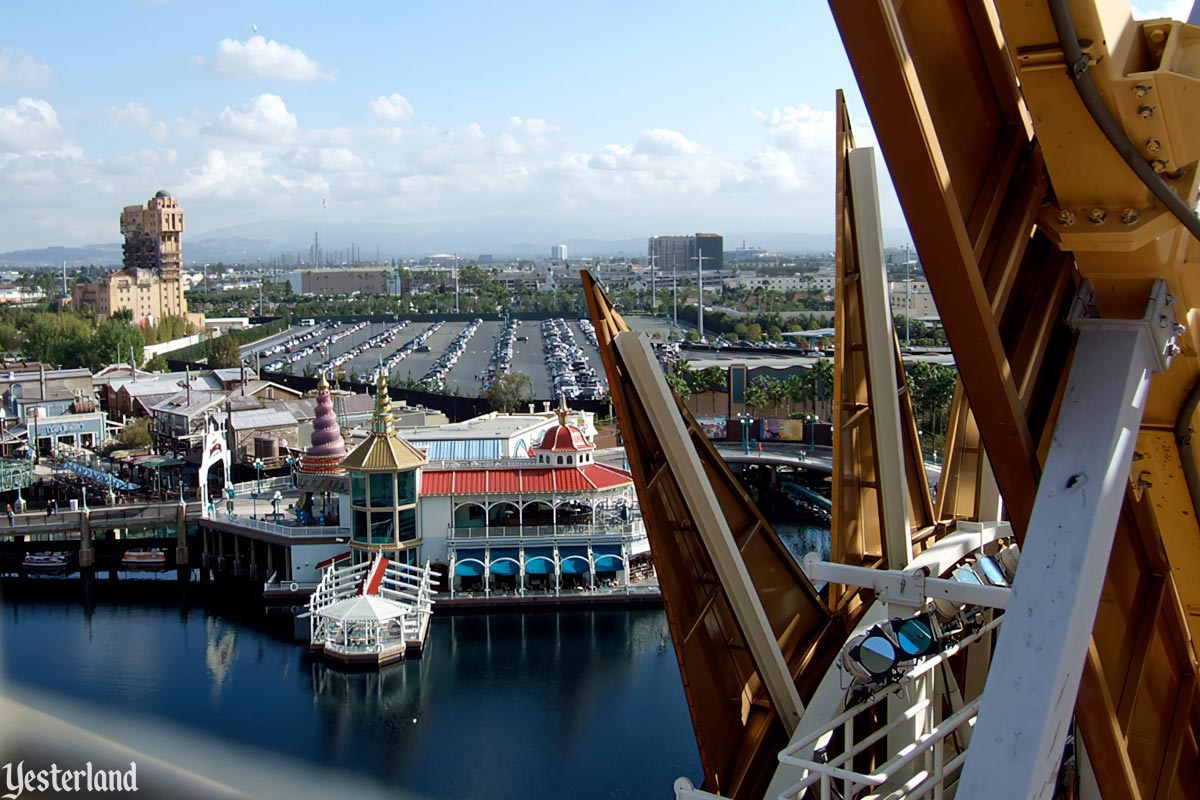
(263, 119)
(20, 69)
(776, 169)
(137, 116)
(259, 57)
(327, 159)
(660, 142)
(31, 127)
(392, 106)
(799, 127)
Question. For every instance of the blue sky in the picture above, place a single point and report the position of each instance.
(551, 119)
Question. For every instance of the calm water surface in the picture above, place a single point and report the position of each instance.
(586, 704)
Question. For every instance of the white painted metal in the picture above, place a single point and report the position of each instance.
(1034, 677)
(922, 765)
(907, 588)
(831, 692)
(881, 359)
(646, 376)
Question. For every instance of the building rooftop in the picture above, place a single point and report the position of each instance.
(488, 426)
(523, 480)
(260, 418)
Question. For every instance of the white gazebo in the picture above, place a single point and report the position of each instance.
(370, 613)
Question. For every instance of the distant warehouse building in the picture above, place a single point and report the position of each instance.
(344, 281)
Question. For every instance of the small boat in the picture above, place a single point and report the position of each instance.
(152, 559)
(47, 564)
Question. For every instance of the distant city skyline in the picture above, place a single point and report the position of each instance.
(554, 121)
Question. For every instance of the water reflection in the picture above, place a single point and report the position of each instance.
(500, 705)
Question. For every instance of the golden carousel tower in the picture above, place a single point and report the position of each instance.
(385, 481)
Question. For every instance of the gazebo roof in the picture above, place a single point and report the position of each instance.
(364, 608)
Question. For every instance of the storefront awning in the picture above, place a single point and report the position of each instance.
(504, 568)
(609, 564)
(575, 566)
(469, 569)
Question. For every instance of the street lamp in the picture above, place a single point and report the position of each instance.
(258, 465)
(746, 420)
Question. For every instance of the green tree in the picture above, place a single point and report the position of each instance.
(511, 391)
(158, 363)
(136, 434)
(821, 378)
(223, 353)
(114, 339)
(64, 339)
(758, 395)
(679, 386)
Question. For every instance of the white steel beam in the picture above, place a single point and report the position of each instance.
(1034, 678)
(881, 358)
(910, 589)
(647, 377)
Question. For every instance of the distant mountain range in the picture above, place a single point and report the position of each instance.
(264, 240)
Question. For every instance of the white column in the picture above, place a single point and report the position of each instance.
(1034, 678)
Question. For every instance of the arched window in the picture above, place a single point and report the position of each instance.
(560, 459)
(569, 459)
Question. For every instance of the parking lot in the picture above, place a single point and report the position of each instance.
(358, 348)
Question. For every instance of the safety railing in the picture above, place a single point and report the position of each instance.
(919, 769)
(559, 533)
(292, 531)
(246, 488)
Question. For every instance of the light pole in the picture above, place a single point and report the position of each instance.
(907, 298)
(746, 420)
(258, 484)
(674, 298)
(700, 259)
(653, 300)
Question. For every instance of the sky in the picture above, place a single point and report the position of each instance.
(597, 119)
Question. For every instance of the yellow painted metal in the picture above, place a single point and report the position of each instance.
(858, 503)
(739, 729)
(941, 102)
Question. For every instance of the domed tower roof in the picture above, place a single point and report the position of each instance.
(384, 450)
(162, 193)
(563, 439)
(328, 447)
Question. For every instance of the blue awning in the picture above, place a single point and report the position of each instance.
(539, 566)
(609, 564)
(504, 568)
(606, 550)
(575, 566)
(470, 569)
(539, 561)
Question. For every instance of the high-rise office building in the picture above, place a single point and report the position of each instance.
(558, 253)
(680, 252)
(712, 247)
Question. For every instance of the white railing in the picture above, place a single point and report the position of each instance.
(292, 531)
(902, 771)
(513, 533)
(250, 487)
(404, 584)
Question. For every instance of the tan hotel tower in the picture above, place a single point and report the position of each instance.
(151, 284)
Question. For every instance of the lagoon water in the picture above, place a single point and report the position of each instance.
(586, 704)
(581, 704)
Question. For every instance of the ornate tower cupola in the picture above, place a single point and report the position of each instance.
(563, 445)
(328, 448)
(385, 479)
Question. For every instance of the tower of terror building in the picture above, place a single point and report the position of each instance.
(150, 286)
